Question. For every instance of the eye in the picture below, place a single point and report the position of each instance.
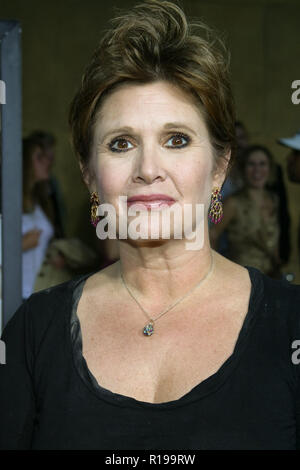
(119, 145)
(179, 137)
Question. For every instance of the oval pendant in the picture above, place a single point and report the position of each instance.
(149, 328)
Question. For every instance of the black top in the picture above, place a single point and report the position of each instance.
(50, 400)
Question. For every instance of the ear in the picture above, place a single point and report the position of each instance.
(220, 170)
(86, 176)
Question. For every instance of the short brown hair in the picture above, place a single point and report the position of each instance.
(153, 42)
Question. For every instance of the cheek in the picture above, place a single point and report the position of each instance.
(109, 181)
(195, 180)
(249, 171)
(266, 171)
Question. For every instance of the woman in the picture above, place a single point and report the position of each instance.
(37, 227)
(48, 259)
(251, 216)
(47, 143)
(213, 369)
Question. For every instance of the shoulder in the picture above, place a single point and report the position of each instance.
(230, 204)
(275, 316)
(54, 299)
(235, 199)
(284, 294)
(280, 303)
(44, 309)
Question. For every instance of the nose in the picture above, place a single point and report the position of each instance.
(148, 166)
(255, 169)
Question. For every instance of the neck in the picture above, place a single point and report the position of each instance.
(256, 193)
(163, 272)
(28, 199)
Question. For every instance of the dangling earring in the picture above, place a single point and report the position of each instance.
(216, 209)
(94, 201)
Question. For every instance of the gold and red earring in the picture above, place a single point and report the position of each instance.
(95, 202)
(216, 208)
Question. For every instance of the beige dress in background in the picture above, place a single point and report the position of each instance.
(253, 238)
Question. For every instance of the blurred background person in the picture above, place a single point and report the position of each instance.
(293, 156)
(293, 163)
(62, 258)
(251, 216)
(277, 185)
(242, 138)
(234, 180)
(48, 258)
(47, 143)
(37, 217)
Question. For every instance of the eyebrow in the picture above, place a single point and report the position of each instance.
(168, 125)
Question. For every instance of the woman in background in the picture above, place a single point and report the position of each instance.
(37, 225)
(47, 143)
(48, 258)
(251, 216)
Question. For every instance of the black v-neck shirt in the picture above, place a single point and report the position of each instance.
(50, 400)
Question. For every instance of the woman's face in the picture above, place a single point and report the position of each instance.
(257, 169)
(151, 140)
(41, 165)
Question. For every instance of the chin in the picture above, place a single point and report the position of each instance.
(258, 185)
(153, 233)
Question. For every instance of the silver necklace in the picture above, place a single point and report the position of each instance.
(148, 329)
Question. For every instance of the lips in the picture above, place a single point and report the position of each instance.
(150, 201)
(150, 197)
